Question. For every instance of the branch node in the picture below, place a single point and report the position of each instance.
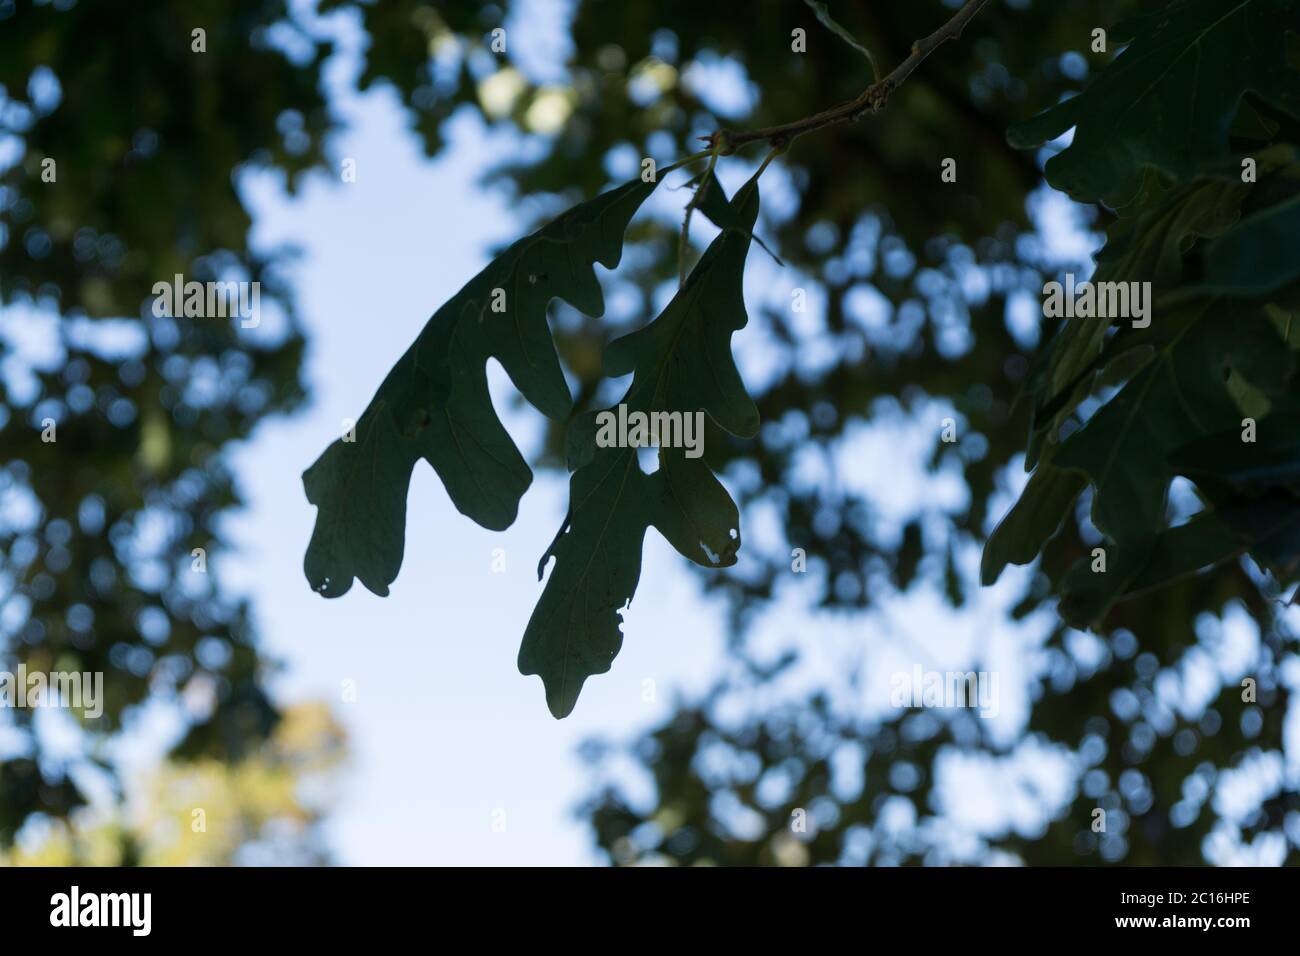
(721, 142)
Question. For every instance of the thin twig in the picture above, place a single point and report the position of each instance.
(871, 100)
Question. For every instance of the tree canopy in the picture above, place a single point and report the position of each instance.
(1173, 131)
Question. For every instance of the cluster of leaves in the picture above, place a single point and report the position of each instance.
(434, 404)
(1208, 205)
(1141, 757)
(949, 264)
(1207, 241)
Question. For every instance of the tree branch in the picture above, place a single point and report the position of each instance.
(871, 100)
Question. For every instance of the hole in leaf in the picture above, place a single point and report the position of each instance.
(648, 459)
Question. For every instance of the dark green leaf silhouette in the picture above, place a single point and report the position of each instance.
(1180, 395)
(680, 363)
(1147, 246)
(1257, 257)
(1203, 55)
(1034, 519)
(1215, 244)
(434, 404)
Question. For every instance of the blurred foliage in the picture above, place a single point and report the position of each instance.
(264, 810)
(99, 567)
(917, 292)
